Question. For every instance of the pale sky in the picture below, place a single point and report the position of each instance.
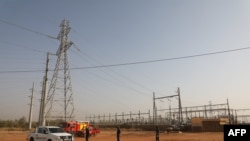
(116, 32)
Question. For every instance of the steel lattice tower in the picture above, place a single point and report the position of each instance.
(59, 102)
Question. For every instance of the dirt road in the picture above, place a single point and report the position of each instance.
(110, 135)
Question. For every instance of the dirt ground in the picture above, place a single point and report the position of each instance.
(110, 135)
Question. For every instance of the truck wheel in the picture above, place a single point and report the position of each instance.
(31, 139)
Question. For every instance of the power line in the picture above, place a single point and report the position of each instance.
(17, 45)
(161, 60)
(27, 29)
(139, 62)
(111, 75)
(21, 71)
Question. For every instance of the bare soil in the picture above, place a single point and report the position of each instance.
(110, 135)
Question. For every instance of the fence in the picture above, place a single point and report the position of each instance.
(123, 118)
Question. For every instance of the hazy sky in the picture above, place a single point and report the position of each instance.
(115, 32)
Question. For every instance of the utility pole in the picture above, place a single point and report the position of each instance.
(180, 108)
(41, 119)
(229, 114)
(31, 106)
(154, 110)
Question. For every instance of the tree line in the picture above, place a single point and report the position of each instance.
(23, 124)
(17, 123)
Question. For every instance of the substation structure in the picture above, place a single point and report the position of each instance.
(170, 117)
(210, 117)
(241, 116)
(132, 118)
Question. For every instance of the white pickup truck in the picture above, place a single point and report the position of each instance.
(49, 133)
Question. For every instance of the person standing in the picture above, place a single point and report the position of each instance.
(157, 132)
(87, 133)
(118, 132)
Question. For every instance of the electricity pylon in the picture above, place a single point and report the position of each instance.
(59, 101)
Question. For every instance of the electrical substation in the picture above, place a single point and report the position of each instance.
(57, 102)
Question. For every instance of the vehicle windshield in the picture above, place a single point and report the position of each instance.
(56, 130)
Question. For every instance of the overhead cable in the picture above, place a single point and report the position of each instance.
(27, 29)
(140, 62)
(160, 60)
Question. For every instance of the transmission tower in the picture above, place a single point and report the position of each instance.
(59, 102)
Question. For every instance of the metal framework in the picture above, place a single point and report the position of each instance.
(179, 113)
(59, 99)
(122, 118)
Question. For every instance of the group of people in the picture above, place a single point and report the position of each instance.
(118, 133)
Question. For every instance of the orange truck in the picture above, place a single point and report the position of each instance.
(78, 128)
